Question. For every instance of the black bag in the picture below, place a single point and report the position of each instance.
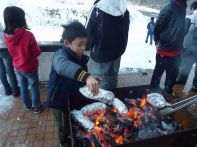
(194, 35)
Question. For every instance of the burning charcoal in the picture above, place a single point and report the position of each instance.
(93, 117)
(128, 135)
(120, 106)
(103, 96)
(157, 100)
(83, 142)
(96, 141)
(93, 108)
(120, 130)
(110, 140)
(82, 120)
(126, 122)
(111, 117)
(131, 102)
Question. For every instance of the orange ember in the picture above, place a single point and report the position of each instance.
(144, 101)
(132, 114)
(119, 140)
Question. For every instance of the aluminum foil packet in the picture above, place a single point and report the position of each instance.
(157, 100)
(120, 106)
(93, 108)
(82, 120)
(103, 96)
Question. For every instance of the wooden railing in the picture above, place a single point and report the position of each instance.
(49, 46)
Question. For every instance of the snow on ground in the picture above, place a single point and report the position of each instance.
(138, 54)
(6, 102)
(45, 19)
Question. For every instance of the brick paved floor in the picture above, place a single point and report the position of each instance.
(19, 128)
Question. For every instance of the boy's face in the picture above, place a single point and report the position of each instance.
(78, 45)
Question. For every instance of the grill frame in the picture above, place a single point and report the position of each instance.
(188, 137)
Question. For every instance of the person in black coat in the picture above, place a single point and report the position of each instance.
(168, 36)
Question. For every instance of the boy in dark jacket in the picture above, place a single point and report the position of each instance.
(168, 35)
(68, 74)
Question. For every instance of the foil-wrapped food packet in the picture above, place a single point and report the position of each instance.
(103, 96)
(120, 106)
(157, 100)
(93, 108)
(82, 120)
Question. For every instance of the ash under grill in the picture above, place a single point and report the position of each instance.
(153, 133)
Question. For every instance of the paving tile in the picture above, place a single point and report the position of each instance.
(48, 143)
(50, 123)
(39, 136)
(21, 139)
(38, 143)
(22, 132)
(32, 131)
(48, 136)
(30, 138)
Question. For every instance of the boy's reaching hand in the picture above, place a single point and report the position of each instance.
(93, 85)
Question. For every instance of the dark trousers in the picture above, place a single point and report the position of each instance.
(6, 68)
(171, 66)
(149, 33)
(62, 124)
(188, 59)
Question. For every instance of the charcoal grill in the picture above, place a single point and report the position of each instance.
(185, 138)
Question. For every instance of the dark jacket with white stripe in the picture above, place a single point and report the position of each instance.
(67, 75)
(107, 35)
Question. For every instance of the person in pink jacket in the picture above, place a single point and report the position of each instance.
(24, 50)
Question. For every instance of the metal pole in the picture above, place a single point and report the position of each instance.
(70, 125)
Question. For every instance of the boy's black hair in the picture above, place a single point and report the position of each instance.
(152, 18)
(73, 30)
(14, 17)
(194, 5)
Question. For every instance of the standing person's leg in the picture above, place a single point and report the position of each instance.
(147, 36)
(187, 62)
(172, 68)
(151, 38)
(111, 76)
(3, 77)
(33, 81)
(62, 124)
(24, 90)
(11, 73)
(194, 85)
(157, 74)
(107, 72)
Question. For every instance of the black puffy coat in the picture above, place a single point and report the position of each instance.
(170, 26)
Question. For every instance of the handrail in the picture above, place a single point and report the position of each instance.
(49, 46)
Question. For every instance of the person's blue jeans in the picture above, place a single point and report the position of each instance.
(6, 67)
(26, 80)
(149, 33)
(107, 72)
